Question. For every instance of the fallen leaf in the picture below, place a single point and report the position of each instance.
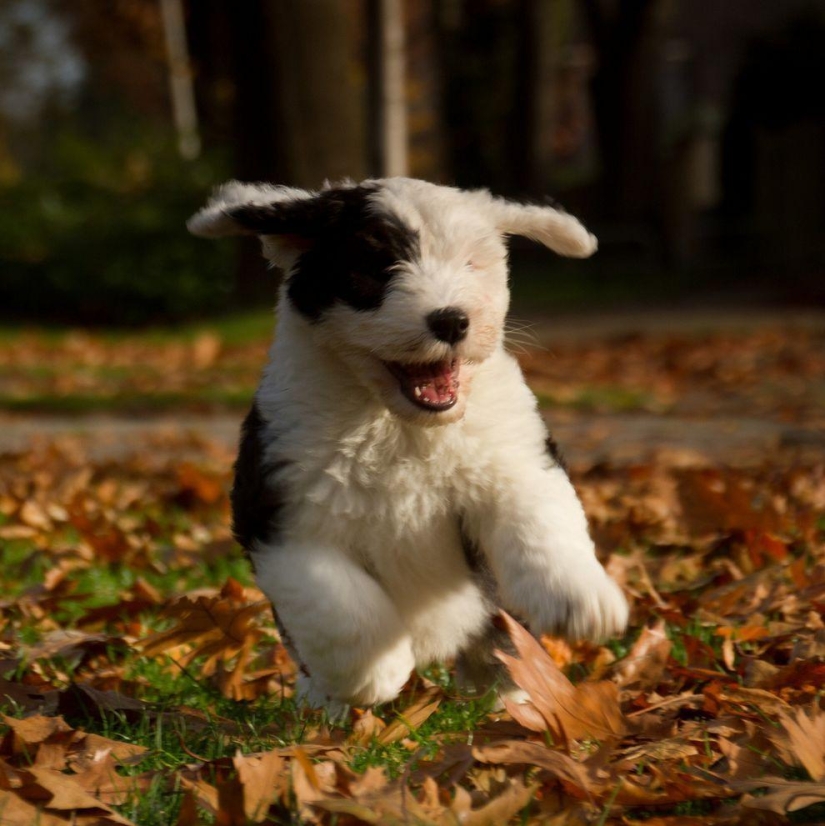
(411, 717)
(782, 796)
(800, 740)
(569, 711)
(264, 779)
(518, 752)
(504, 806)
(644, 665)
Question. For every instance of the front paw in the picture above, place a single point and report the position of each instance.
(308, 694)
(582, 604)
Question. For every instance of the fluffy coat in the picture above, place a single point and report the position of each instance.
(394, 484)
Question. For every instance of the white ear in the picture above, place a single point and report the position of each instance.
(214, 220)
(557, 230)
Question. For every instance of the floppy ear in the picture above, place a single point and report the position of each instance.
(236, 208)
(285, 218)
(552, 227)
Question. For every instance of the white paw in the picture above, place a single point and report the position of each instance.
(386, 675)
(512, 694)
(581, 603)
(379, 681)
(308, 694)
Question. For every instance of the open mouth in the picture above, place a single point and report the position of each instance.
(432, 386)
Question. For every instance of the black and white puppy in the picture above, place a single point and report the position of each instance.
(394, 483)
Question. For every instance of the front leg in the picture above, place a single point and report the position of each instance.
(346, 631)
(533, 531)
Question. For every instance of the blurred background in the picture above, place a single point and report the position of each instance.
(689, 134)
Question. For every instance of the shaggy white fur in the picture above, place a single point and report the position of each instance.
(378, 493)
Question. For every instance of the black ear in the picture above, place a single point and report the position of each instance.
(236, 208)
(305, 218)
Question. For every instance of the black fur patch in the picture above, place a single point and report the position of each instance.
(477, 667)
(351, 247)
(256, 503)
(478, 564)
(554, 451)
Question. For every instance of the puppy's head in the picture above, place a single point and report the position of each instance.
(405, 280)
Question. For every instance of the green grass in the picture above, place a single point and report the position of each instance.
(610, 399)
(184, 717)
(131, 403)
(235, 328)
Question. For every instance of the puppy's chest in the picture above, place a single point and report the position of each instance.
(378, 491)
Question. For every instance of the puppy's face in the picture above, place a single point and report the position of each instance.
(405, 281)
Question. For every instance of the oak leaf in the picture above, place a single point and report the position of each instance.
(219, 628)
(569, 712)
(800, 740)
(645, 663)
(782, 796)
(411, 717)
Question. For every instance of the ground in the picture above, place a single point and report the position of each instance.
(142, 681)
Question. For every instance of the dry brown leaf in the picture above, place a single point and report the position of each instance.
(506, 805)
(765, 701)
(800, 741)
(205, 794)
(205, 350)
(355, 809)
(220, 629)
(569, 711)
(366, 727)
(34, 515)
(99, 778)
(62, 793)
(412, 716)
(33, 730)
(196, 486)
(371, 781)
(312, 783)
(27, 737)
(188, 814)
(645, 663)
(782, 796)
(15, 811)
(264, 778)
(745, 757)
(122, 752)
(69, 644)
(658, 750)
(519, 752)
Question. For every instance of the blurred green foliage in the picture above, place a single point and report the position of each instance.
(94, 232)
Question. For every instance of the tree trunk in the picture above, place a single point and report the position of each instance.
(320, 109)
(624, 97)
(282, 74)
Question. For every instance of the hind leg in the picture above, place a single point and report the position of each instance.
(342, 625)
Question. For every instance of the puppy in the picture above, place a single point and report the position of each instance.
(395, 482)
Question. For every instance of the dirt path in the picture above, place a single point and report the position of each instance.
(586, 439)
(740, 388)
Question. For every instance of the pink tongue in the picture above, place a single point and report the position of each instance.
(435, 383)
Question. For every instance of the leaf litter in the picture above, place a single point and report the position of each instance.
(121, 584)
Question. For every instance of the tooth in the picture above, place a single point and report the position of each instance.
(418, 392)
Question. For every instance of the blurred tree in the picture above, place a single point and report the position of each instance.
(427, 137)
(626, 36)
(774, 151)
(280, 81)
(481, 48)
(386, 66)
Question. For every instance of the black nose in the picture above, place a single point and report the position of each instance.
(449, 324)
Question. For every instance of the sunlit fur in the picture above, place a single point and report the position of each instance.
(365, 562)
